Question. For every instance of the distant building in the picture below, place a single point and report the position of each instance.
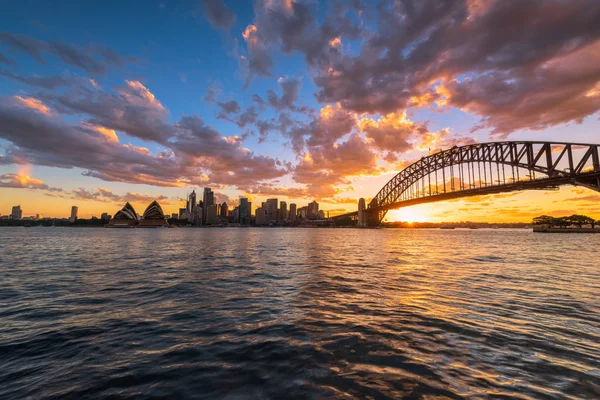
(126, 217)
(174, 215)
(313, 210)
(208, 200)
(153, 217)
(321, 214)
(39, 217)
(74, 211)
(183, 214)
(261, 216)
(245, 211)
(211, 214)
(104, 216)
(362, 215)
(303, 212)
(271, 210)
(191, 205)
(197, 217)
(17, 212)
(223, 210)
(283, 211)
(292, 214)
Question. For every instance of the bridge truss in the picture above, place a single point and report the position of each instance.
(488, 168)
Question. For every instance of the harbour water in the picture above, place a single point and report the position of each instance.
(298, 313)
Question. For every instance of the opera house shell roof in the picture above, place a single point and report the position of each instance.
(153, 217)
(126, 213)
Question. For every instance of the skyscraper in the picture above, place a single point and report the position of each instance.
(208, 199)
(223, 210)
(17, 212)
(313, 210)
(292, 216)
(244, 211)
(271, 210)
(191, 203)
(73, 217)
(211, 214)
(261, 216)
(283, 211)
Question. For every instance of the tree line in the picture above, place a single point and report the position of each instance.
(563, 222)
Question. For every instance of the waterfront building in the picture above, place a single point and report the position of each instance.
(183, 213)
(245, 211)
(271, 210)
(292, 214)
(223, 210)
(197, 217)
(321, 214)
(303, 212)
(74, 211)
(261, 216)
(362, 215)
(313, 210)
(191, 205)
(283, 211)
(126, 217)
(174, 215)
(153, 217)
(16, 213)
(211, 214)
(39, 217)
(208, 199)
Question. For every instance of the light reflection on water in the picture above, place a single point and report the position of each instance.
(318, 313)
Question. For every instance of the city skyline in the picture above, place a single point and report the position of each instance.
(294, 100)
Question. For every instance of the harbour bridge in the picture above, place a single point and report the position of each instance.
(484, 168)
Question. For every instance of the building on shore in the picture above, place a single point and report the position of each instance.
(283, 211)
(292, 215)
(245, 211)
(261, 217)
(313, 210)
(211, 214)
(153, 217)
(16, 213)
(208, 199)
(223, 210)
(74, 212)
(271, 210)
(126, 217)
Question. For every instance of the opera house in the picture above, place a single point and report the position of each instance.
(126, 217)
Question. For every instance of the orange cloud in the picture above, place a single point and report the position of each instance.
(34, 104)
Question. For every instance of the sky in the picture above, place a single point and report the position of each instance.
(134, 101)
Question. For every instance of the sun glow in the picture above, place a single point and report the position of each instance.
(409, 214)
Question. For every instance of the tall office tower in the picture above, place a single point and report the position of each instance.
(313, 210)
(292, 216)
(73, 216)
(183, 213)
(223, 210)
(283, 211)
(261, 216)
(211, 214)
(16, 213)
(208, 199)
(244, 211)
(271, 210)
(191, 203)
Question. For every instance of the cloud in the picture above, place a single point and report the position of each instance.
(106, 195)
(229, 107)
(450, 52)
(218, 14)
(7, 61)
(45, 82)
(18, 181)
(193, 151)
(290, 87)
(94, 59)
(213, 91)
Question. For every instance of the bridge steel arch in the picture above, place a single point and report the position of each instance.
(481, 168)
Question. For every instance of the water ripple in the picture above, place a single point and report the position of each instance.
(298, 313)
